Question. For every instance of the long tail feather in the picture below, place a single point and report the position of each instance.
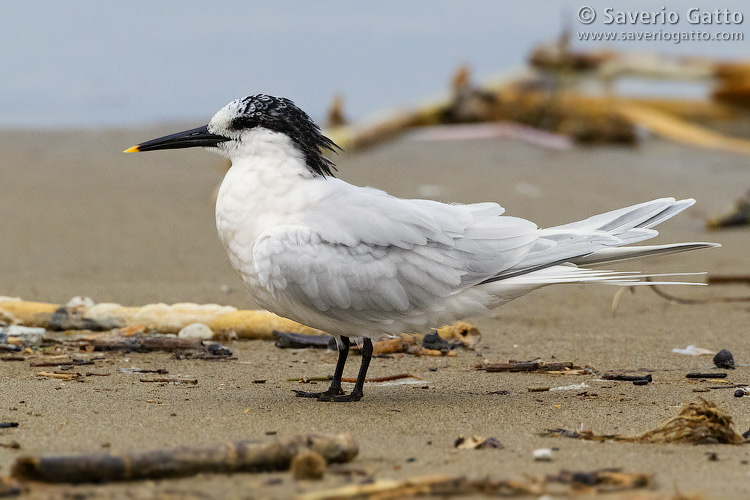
(599, 239)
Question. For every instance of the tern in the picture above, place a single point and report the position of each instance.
(359, 263)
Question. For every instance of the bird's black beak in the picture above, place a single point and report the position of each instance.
(197, 137)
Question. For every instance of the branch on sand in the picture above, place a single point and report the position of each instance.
(566, 483)
(240, 456)
(224, 321)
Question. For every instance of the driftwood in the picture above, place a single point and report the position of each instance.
(737, 216)
(566, 484)
(433, 344)
(130, 324)
(677, 129)
(240, 456)
(535, 366)
(437, 486)
(335, 117)
(161, 318)
(545, 96)
(9, 487)
(140, 343)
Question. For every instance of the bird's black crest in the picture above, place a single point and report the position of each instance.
(282, 115)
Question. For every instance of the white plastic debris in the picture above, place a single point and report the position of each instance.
(528, 190)
(574, 387)
(79, 301)
(543, 455)
(22, 331)
(430, 190)
(196, 331)
(691, 350)
(28, 333)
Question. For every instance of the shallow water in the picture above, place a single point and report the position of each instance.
(87, 64)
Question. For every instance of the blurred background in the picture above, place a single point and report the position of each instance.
(511, 103)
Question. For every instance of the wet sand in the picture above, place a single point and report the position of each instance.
(79, 218)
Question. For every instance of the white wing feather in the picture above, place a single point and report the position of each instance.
(390, 265)
(385, 258)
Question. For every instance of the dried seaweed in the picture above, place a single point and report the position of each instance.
(697, 423)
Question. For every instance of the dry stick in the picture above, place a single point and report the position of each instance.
(246, 456)
(61, 376)
(353, 380)
(723, 279)
(618, 296)
(439, 486)
(709, 300)
(193, 381)
(143, 344)
(679, 300)
(62, 363)
(383, 379)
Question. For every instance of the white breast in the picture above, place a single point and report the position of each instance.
(264, 188)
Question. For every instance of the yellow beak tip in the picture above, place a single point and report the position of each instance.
(134, 149)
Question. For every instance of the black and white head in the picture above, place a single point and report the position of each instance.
(242, 121)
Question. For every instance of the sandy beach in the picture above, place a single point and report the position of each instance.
(80, 218)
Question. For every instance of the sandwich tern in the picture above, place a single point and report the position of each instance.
(358, 263)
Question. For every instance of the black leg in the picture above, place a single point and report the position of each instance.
(357, 392)
(335, 388)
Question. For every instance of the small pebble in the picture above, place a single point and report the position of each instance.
(543, 455)
(79, 301)
(739, 393)
(217, 349)
(724, 359)
(490, 443)
(308, 464)
(196, 331)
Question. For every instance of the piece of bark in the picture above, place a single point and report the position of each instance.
(61, 376)
(529, 366)
(286, 340)
(167, 380)
(240, 456)
(435, 486)
(9, 487)
(142, 344)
